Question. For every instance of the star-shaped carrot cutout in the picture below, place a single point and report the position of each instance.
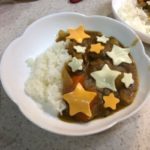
(79, 100)
(111, 101)
(96, 48)
(77, 34)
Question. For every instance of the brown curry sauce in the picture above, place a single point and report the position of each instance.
(93, 62)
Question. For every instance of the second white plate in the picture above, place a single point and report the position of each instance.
(116, 4)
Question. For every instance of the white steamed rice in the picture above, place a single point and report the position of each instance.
(45, 82)
(134, 16)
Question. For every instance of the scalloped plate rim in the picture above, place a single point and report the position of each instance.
(22, 109)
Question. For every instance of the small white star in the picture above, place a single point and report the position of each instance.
(119, 55)
(105, 78)
(127, 79)
(76, 64)
(80, 49)
(102, 39)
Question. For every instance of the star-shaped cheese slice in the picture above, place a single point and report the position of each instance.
(96, 48)
(127, 79)
(76, 64)
(79, 100)
(119, 55)
(77, 34)
(80, 49)
(102, 39)
(105, 78)
(110, 101)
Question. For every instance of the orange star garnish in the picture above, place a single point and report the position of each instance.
(110, 101)
(96, 48)
(77, 34)
(79, 100)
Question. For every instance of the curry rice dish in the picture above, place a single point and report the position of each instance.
(99, 76)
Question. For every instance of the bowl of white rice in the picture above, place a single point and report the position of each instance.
(129, 13)
(32, 64)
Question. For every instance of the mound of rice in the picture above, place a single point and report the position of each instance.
(45, 82)
(134, 16)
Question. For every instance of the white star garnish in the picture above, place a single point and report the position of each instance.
(127, 79)
(80, 49)
(119, 55)
(105, 78)
(102, 39)
(76, 64)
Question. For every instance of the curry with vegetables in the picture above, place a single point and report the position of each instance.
(100, 79)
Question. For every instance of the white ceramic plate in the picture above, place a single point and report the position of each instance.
(116, 4)
(36, 39)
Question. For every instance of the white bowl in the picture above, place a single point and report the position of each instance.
(36, 39)
(116, 4)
